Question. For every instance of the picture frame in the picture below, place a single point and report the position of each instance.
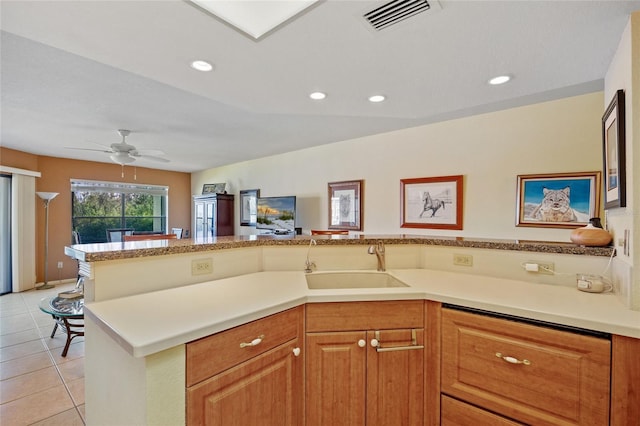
(613, 153)
(249, 207)
(432, 202)
(277, 215)
(213, 188)
(558, 200)
(345, 201)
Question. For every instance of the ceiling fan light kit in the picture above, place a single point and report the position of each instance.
(122, 158)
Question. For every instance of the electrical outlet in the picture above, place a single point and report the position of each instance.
(462, 259)
(201, 266)
(543, 267)
(60, 265)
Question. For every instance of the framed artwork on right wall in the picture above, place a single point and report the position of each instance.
(613, 147)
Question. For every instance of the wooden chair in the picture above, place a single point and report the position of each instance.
(329, 232)
(144, 237)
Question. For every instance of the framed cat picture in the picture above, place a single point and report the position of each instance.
(560, 200)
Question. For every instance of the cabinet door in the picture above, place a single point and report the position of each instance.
(336, 378)
(210, 227)
(200, 220)
(266, 390)
(224, 216)
(395, 378)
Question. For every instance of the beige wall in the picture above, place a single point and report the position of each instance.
(490, 150)
(624, 73)
(56, 177)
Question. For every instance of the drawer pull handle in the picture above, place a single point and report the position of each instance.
(376, 343)
(296, 351)
(254, 342)
(512, 360)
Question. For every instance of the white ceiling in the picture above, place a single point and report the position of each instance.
(73, 72)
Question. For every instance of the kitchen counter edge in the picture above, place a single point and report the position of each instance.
(139, 323)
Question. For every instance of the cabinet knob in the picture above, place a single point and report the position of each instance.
(254, 342)
(296, 351)
(362, 343)
(375, 343)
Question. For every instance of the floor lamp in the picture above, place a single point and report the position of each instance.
(46, 197)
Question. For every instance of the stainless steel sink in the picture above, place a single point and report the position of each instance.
(349, 279)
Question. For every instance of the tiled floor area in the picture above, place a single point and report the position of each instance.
(37, 385)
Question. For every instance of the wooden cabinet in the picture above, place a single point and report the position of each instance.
(528, 373)
(248, 375)
(213, 215)
(365, 363)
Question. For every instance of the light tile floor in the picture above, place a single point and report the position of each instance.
(37, 385)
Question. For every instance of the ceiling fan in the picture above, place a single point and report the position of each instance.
(123, 153)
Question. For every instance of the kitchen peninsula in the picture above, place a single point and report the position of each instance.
(121, 269)
(136, 345)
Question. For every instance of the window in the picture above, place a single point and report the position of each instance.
(98, 206)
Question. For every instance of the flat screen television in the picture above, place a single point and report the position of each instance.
(277, 215)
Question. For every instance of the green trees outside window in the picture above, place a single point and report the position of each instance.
(93, 212)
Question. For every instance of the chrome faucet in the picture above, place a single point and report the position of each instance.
(308, 264)
(378, 250)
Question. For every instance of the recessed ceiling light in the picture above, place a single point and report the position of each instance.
(499, 80)
(201, 66)
(317, 96)
(376, 98)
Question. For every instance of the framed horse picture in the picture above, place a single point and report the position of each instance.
(431, 202)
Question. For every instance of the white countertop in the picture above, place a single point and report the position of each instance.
(149, 323)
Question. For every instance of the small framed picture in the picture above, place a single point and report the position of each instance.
(345, 205)
(613, 146)
(249, 207)
(213, 188)
(559, 200)
(431, 202)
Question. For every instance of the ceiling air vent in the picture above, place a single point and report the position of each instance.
(395, 11)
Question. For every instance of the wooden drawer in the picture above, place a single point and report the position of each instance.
(348, 316)
(211, 355)
(553, 378)
(458, 413)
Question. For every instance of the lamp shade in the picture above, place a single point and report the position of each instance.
(47, 196)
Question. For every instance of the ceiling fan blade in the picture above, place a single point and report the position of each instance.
(148, 152)
(152, 158)
(109, 151)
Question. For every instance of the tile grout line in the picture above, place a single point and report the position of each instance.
(53, 362)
